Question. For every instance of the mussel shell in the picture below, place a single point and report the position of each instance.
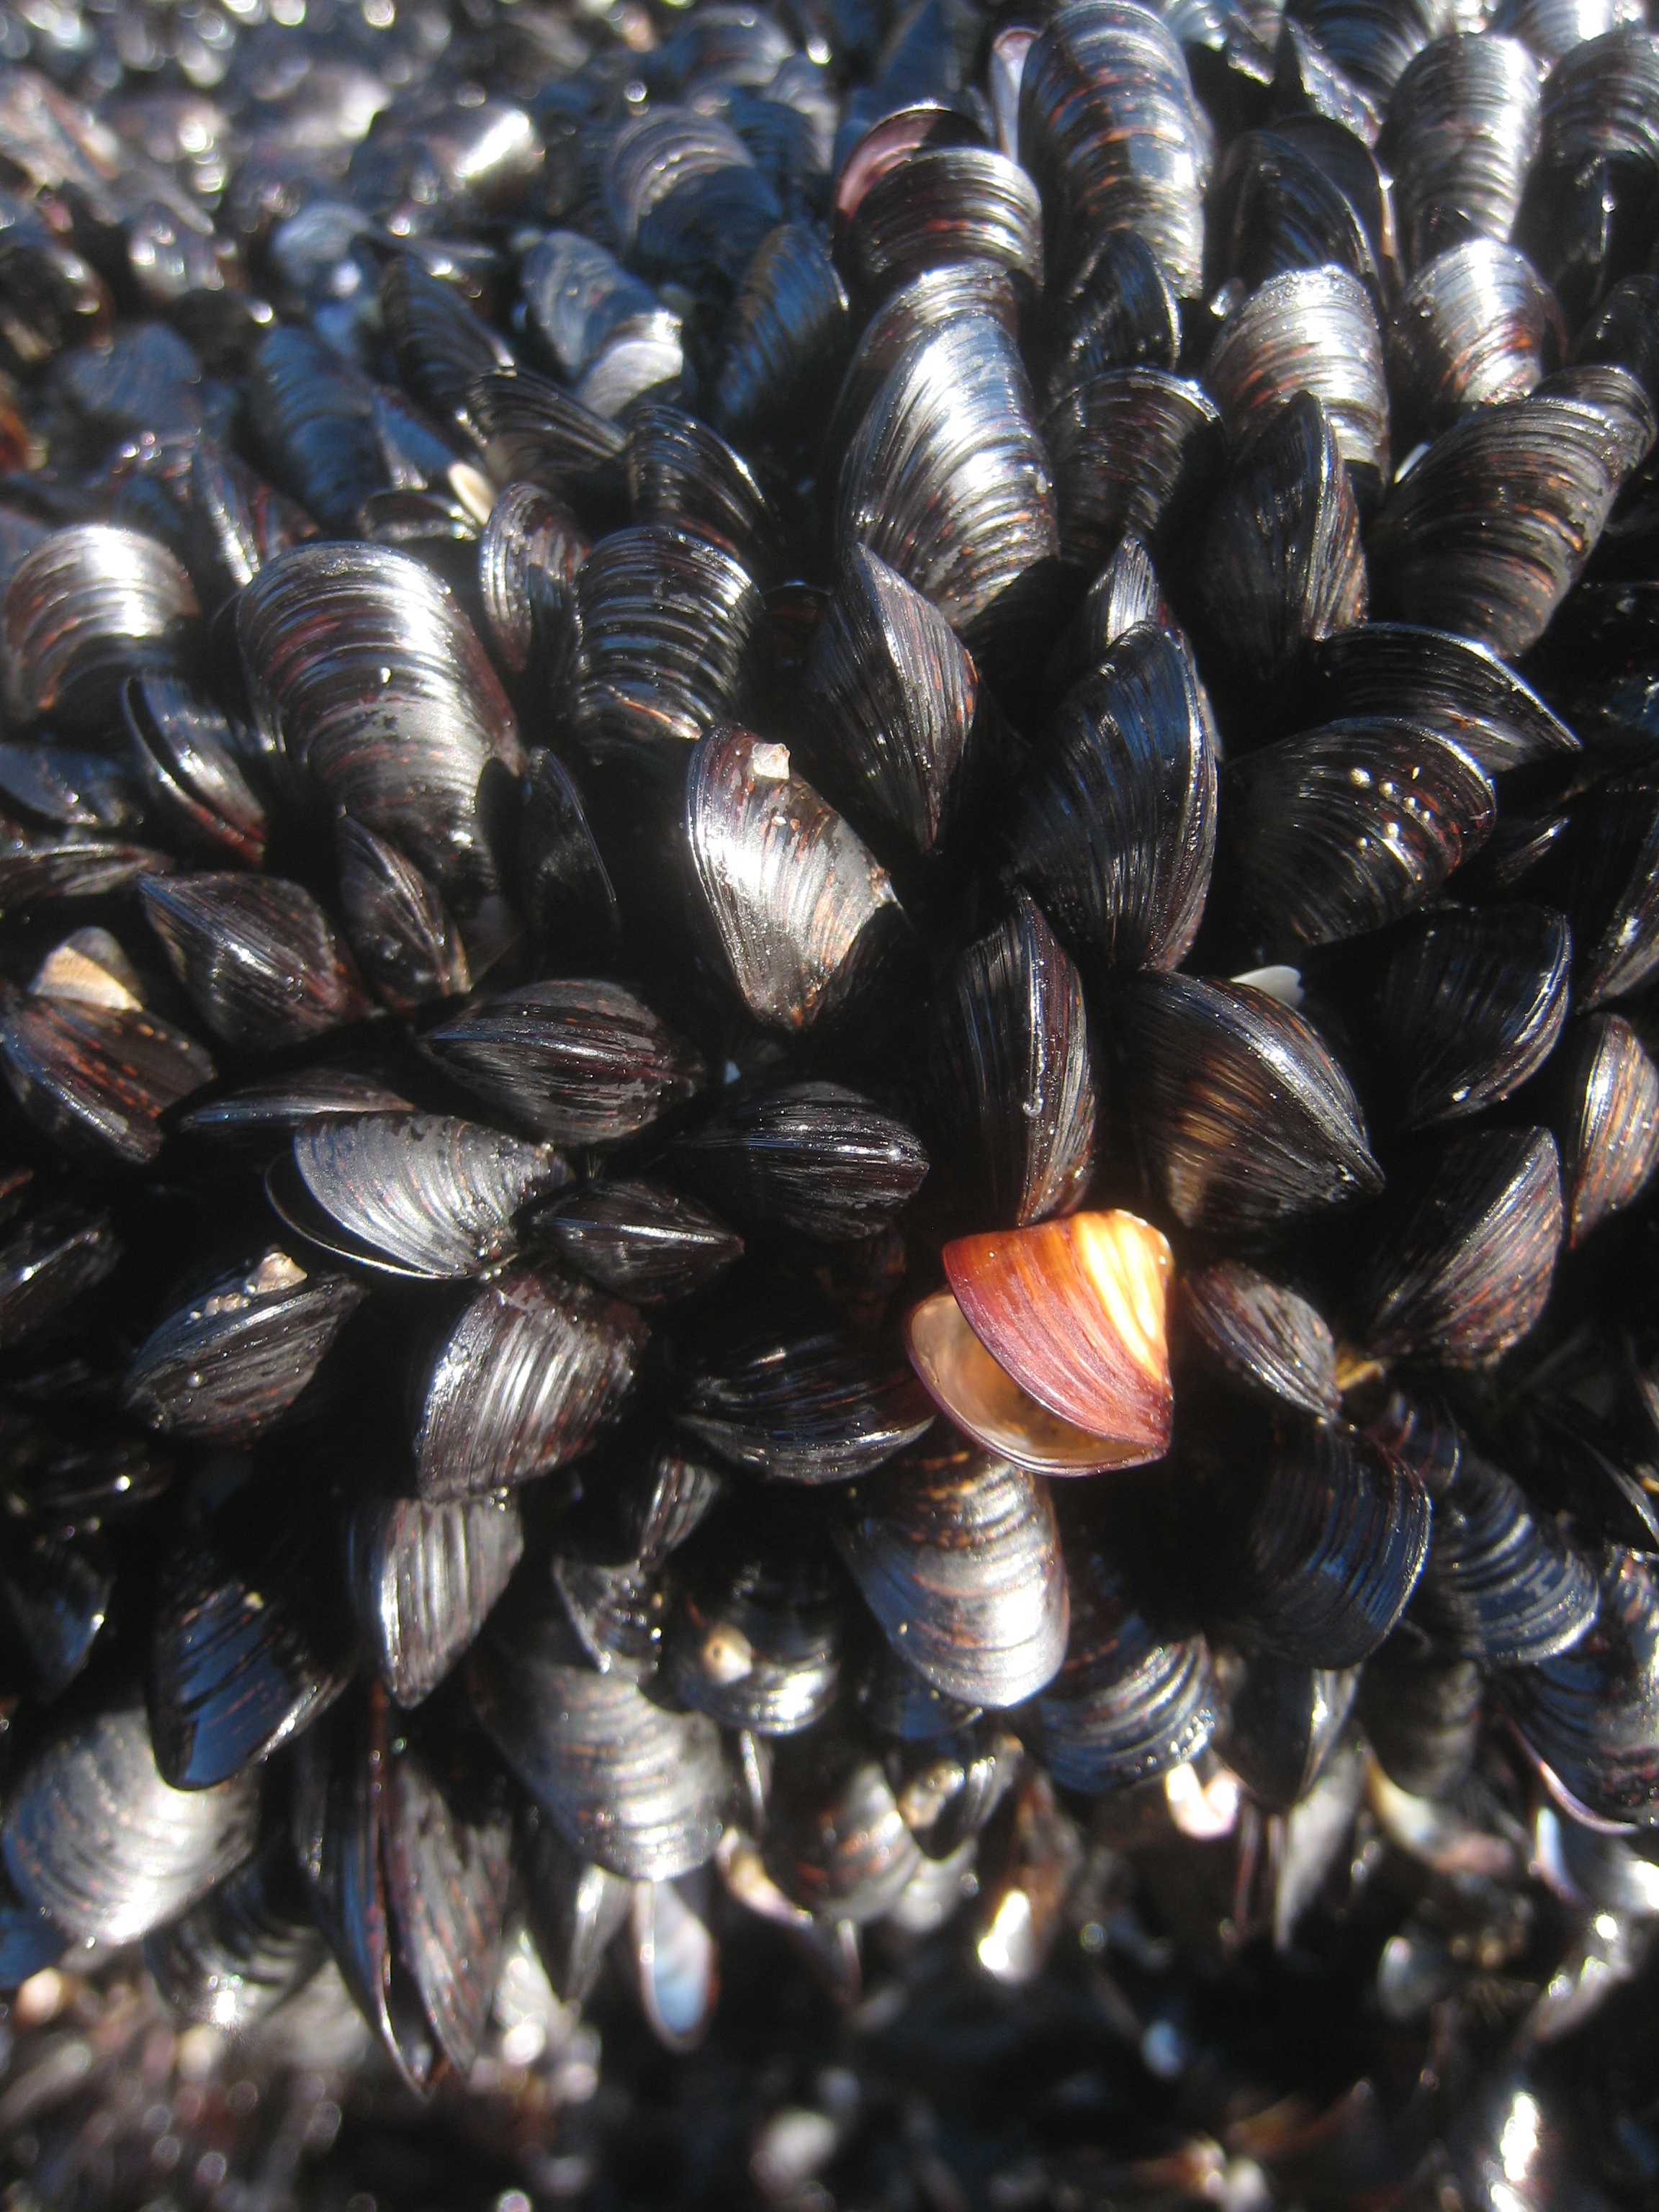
(784, 337)
(409, 947)
(574, 1909)
(1281, 564)
(61, 1251)
(582, 1062)
(577, 295)
(1136, 450)
(1453, 687)
(1276, 208)
(1470, 1006)
(639, 1240)
(96, 1078)
(1591, 1715)
(637, 1790)
(1284, 1721)
(801, 913)
(441, 346)
(936, 296)
(1602, 871)
(1422, 1716)
(528, 535)
(944, 204)
(257, 955)
(1499, 1583)
(836, 1841)
(244, 1949)
(1310, 330)
(58, 1597)
(94, 1836)
(755, 1636)
(785, 1394)
(1331, 1548)
(265, 1113)
(316, 421)
(616, 1610)
(237, 523)
(1463, 1271)
(1476, 325)
(1340, 831)
(957, 1555)
(1010, 1074)
(91, 604)
(1241, 1117)
(1463, 129)
(1607, 1120)
(423, 1578)
(685, 196)
(566, 893)
(1256, 1335)
(1121, 312)
(676, 1959)
(681, 472)
(417, 1194)
(1131, 1700)
(520, 1382)
(815, 1158)
(1115, 823)
(69, 790)
(231, 1361)
(534, 431)
(190, 758)
(249, 1644)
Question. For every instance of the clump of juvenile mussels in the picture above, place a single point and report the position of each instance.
(830, 870)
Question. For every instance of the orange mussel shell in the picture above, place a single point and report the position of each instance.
(1050, 1345)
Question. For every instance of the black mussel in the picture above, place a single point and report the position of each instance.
(1462, 1269)
(662, 1500)
(315, 418)
(1310, 330)
(1137, 450)
(617, 1609)
(1602, 872)
(786, 1394)
(573, 1908)
(1132, 1699)
(938, 297)
(943, 205)
(1606, 1117)
(423, 1579)
(1333, 1545)
(237, 522)
(903, 1704)
(639, 1240)
(1277, 207)
(520, 1382)
(1591, 185)
(98, 1079)
(1570, 1461)
(1487, 530)
(1370, 41)
(69, 790)
(675, 1957)
(1256, 1335)
(1453, 687)
(441, 348)
(1125, 594)
(577, 298)
(957, 1555)
(1422, 1716)
(1475, 326)
(420, 1194)
(531, 544)
(803, 917)
(54, 297)
(1111, 130)
(89, 606)
(192, 761)
(94, 1836)
(1281, 564)
(1241, 1117)
(835, 1841)
(1116, 822)
(1340, 831)
(892, 705)
(49, 1260)
(636, 1789)
(1285, 1719)
(673, 635)
(680, 471)
(252, 1638)
(1013, 1087)
(685, 197)
(811, 1156)
(784, 338)
(1500, 1584)
(1469, 1006)
(1463, 129)
(946, 479)
(447, 1836)
(70, 864)
(534, 431)
(754, 1635)
(584, 1063)
(264, 1114)
(257, 955)
(231, 1361)
(1625, 330)
(405, 943)
(57, 1595)
(566, 893)
(244, 1949)
(1590, 1716)
(367, 679)
(1121, 312)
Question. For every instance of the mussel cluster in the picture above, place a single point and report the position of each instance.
(830, 1017)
